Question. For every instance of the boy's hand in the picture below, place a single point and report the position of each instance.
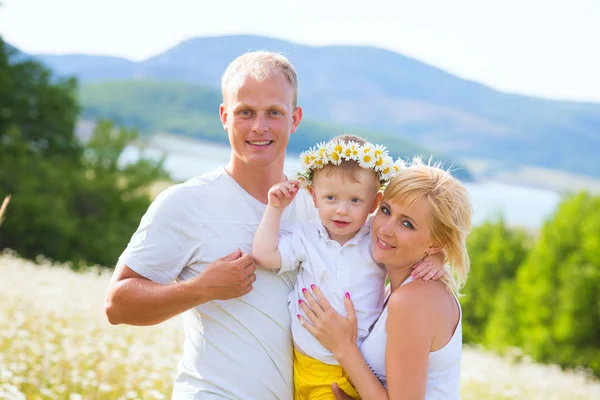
(430, 267)
(282, 194)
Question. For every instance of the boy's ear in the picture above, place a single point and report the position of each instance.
(311, 190)
(376, 202)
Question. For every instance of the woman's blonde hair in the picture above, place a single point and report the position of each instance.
(450, 222)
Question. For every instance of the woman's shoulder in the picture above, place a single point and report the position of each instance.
(425, 296)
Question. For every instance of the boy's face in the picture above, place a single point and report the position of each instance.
(344, 205)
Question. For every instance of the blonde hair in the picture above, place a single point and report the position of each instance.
(261, 65)
(450, 222)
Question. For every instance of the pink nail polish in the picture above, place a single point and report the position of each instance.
(348, 295)
(298, 316)
(299, 301)
(312, 287)
(303, 290)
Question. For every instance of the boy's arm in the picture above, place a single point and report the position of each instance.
(265, 246)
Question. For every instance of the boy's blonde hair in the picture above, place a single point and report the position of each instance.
(349, 168)
(450, 222)
(261, 65)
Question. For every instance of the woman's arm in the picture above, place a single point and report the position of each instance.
(338, 334)
(410, 333)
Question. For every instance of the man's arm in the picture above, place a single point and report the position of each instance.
(135, 300)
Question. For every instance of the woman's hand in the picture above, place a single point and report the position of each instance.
(336, 333)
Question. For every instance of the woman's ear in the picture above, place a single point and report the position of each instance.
(434, 248)
(376, 202)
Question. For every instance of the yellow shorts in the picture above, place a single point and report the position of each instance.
(313, 379)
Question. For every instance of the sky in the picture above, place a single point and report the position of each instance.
(542, 48)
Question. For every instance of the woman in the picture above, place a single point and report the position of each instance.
(414, 349)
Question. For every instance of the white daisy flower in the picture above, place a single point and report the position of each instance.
(322, 149)
(380, 150)
(365, 158)
(387, 168)
(335, 146)
(334, 157)
(306, 160)
(399, 165)
(350, 151)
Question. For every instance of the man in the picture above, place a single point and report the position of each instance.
(190, 252)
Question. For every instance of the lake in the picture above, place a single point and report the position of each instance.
(527, 207)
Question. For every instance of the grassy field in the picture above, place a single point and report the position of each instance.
(56, 344)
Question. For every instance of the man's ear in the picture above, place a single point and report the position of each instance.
(311, 190)
(376, 202)
(223, 115)
(296, 118)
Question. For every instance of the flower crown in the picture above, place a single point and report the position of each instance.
(367, 155)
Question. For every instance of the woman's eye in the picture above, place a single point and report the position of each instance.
(385, 210)
(407, 224)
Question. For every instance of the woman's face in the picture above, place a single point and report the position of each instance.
(401, 235)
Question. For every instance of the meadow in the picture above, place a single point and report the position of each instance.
(55, 343)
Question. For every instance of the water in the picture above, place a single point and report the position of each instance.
(522, 206)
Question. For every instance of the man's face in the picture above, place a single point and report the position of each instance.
(259, 117)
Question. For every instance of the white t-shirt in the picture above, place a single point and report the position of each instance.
(443, 369)
(234, 349)
(335, 270)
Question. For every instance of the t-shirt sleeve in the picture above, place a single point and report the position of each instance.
(291, 250)
(166, 238)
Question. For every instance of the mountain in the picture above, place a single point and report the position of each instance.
(371, 88)
(191, 110)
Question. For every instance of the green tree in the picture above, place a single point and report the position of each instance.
(496, 252)
(558, 288)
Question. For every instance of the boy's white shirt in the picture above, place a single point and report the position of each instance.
(335, 270)
(239, 348)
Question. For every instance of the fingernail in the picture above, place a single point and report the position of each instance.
(299, 301)
(303, 290)
(312, 287)
(348, 295)
(298, 316)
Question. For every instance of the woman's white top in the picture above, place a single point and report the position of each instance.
(335, 270)
(443, 371)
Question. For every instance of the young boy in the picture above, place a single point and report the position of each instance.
(344, 178)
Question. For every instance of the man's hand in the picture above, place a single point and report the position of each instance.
(282, 194)
(228, 277)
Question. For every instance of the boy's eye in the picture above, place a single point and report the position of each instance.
(355, 200)
(329, 197)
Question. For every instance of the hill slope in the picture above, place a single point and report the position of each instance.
(191, 110)
(388, 92)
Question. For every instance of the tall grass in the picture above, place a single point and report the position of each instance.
(56, 344)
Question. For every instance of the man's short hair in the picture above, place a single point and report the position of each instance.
(261, 65)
